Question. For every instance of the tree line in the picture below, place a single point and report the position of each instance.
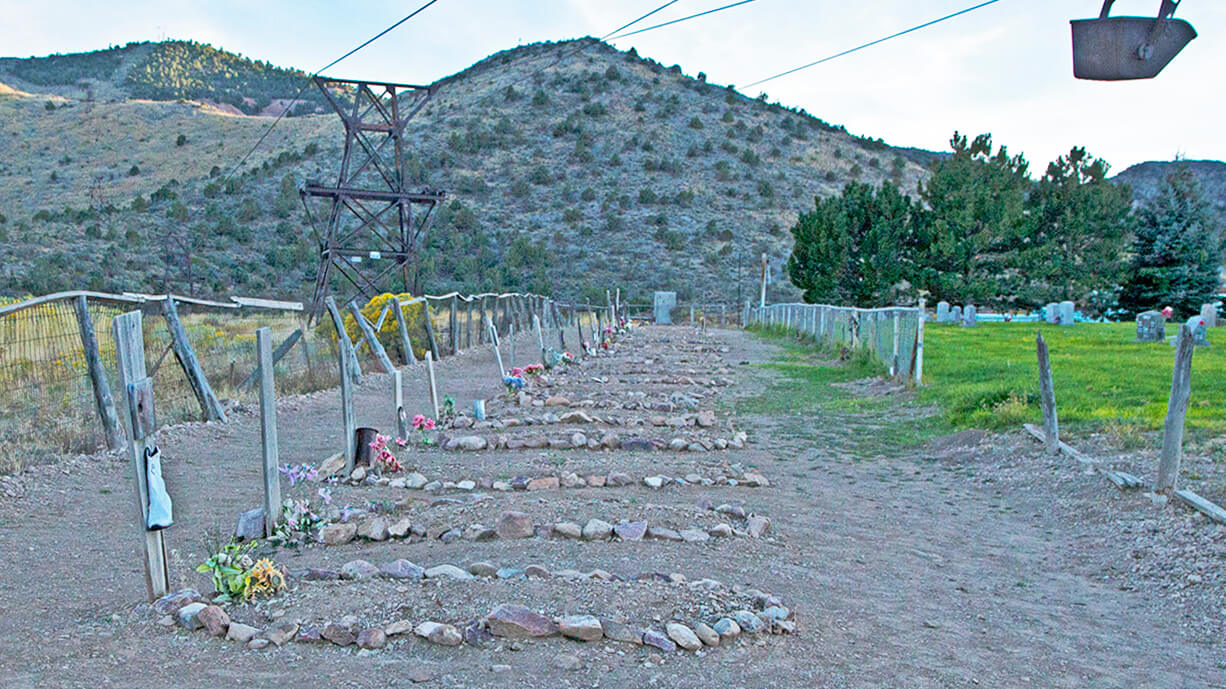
(981, 230)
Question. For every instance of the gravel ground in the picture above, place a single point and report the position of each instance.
(974, 561)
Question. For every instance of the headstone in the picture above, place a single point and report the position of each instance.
(1208, 313)
(1151, 326)
(942, 312)
(662, 306)
(1051, 313)
(1200, 334)
(1067, 311)
(968, 317)
(955, 314)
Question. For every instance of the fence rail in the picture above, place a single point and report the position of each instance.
(894, 335)
(58, 368)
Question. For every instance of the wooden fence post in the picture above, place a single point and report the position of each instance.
(372, 338)
(281, 350)
(191, 366)
(402, 417)
(502, 372)
(919, 345)
(268, 431)
(1176, 409)
(1047, 397)
(433, 341)
(540, 337)
(558, 323)
(130, 357)
(433, 386)
(405, 343)
(111, 428)
(468, 324)
(454, 326)
(349, 357)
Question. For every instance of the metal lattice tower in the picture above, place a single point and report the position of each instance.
(370, 224)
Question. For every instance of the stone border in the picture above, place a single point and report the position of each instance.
(513, 525)
(615, 479)
(578, 440)
(187, 609)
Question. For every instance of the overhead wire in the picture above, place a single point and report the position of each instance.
(872, 43)
(307, 82)
(682, 19)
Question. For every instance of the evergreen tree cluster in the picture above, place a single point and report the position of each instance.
(983, 231)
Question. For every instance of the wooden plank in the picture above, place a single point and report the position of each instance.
(1064, 447)
(402, 417)
(540, 337)
(209, 404)
(502, 372)
(130, 356)
(1176, 410)
(468, 324)
(371, 338)
(433, 385)
(8, 309)
(281, 350)
(344, 345)
(348, 423)
(454, 326)
(268, 304)
(268, 430)
(1201, 505)
(1047, 397)
(558, 322)
(387, 306)
(112, 431)
(405, 343)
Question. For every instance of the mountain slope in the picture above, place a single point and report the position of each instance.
(570, 174)
(1144, 178)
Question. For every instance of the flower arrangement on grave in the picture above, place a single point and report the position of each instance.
(238, 576)
(297, 473)
(422, 425)
(534, 370)
(448, 411)
(299, 520)
(552, 358)
(384, 458)
(569, 359)
(514, 383)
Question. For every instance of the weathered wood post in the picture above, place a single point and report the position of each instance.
(894, 359)
(540, 337)
(433, 341)
(371, 338)
(433, 386)
(268, 431)
(191, 365)
(558, 323)
(919, 345)
(1047, 398)
(402, 417)
(137, 399)
(277, 354)
(1176, 410)
(502, 371)
(348, 357)
(468, 323)
(453, 325)
(105, 403)
(406, 345)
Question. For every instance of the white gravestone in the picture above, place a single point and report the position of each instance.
(1151, 326)
(1051, 313)
(1208, 312)
(955, 314)
(1067, 311)
(662, 307)
(942, 312)
(968, 317)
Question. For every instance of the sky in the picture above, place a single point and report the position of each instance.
(1004, 69)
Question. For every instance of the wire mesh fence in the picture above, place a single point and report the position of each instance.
(892, 335)
(48, 405)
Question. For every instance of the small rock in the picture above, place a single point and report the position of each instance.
(214, 619)
(513, 524)
(398, 627)
(683, 636)
(358, 474)
(518, 622)
(557, 401)
(448, 571)
(441, 634)
(597, 530)
(258, 643)
(482, 569)
(170, 603)
(617, 479)
(630, 531)
(242, 633)
(653, 481)
(308, 635)
(758, 526)
(465, 485)
(720, 531)
(419, 674)
(188, 616)
(678, 444)
(748, 622)
(694, 535)
(374, 529)
(566, 661)
(400, 529)
(617, 631)
(705, 419)
(581, 627)
(476, 634)
(281, 634)
(610, 441)
(755, 479)
(568, 529)
(331, 466)
(415, 481)
(637, 445)
(657, 640)
(321, 575)
(372, 638)
(339, 634)
(338, 534)
(401, 569)
(572, 480)
(706, 634)
(509, 573)
(578, 440)
(727, 628)
(543, 483)
(468, 443)
(537, 572)
(663, 534)
(250, 525)
(358, 569)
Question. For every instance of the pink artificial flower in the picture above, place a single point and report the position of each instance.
(429, 424)
(418, 421)
(517, 372)
(401, 442)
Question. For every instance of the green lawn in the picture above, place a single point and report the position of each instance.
(987, 376)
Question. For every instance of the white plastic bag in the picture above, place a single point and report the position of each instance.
(160, 508)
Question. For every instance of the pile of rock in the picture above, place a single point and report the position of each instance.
(577, 440)
(418, 481)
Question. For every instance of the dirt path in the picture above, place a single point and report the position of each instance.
(901, 571)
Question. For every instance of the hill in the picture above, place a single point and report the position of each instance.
(1144, 178)
(569, 166)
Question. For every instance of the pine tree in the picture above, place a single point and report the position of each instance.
(849, 249)
(1177, 250)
